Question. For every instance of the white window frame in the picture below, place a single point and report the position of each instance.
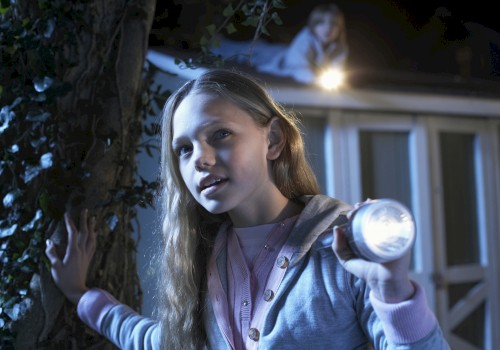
(352, 123)
(487, 178)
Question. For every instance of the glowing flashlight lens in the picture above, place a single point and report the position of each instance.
(381, 230)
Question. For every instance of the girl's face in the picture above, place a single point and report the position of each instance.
(223, 155)
(328, 29)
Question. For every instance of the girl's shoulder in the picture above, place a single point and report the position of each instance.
(305, 34)
(323, 208)
(314, 227)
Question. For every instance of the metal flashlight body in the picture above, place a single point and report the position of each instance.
(381, 230)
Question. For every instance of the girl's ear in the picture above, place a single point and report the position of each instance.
(276, 138)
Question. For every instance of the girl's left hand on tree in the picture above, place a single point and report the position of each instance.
(70, 273)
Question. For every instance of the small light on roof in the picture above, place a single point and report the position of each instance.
(331, 79)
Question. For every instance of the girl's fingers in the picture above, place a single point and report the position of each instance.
(82, 240)
(51, 253)
(81, 236)
(358, 205)
(82, 233)
(340, 246)
(77, 239)
(91, 239)
(70, 227)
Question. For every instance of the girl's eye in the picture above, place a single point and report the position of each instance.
(222, 133)
(182, 150)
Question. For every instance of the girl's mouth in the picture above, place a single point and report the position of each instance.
(212, 186)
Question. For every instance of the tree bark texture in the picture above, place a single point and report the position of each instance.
(100, 125)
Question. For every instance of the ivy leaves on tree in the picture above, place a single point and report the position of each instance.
(37, 178)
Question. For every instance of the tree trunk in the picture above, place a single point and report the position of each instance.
(100, 125)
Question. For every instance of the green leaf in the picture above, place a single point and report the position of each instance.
(37, 116)
(10, 198)
(42, 4)
(230, 28)
(11, 49)
(51, 206)
(211, 29)
(4, 6)
(276, 18)
(29, 226)
(264, 30)
(9, 231)
(203, 41)
(250, 21)
(228, 11)
(278, 4)
(30, 172)
(216, 43)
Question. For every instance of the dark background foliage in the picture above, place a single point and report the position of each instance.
(76, 101)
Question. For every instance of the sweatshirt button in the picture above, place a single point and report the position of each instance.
(253, 334)
(268, 295)
(282, 262)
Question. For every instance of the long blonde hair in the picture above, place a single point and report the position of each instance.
(188, 230)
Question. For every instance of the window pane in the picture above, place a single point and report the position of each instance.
(385, 165)
(472, 328)
(314, 137)
(458, 179)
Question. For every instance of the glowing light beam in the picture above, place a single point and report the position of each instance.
(331, 79)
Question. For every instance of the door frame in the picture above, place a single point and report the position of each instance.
(486, 269)
(427, 198)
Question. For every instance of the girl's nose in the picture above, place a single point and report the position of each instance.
(204, 158)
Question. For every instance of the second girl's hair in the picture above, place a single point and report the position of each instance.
(187, 227)
(318, 13)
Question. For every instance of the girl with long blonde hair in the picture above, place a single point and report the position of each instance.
(252, 256)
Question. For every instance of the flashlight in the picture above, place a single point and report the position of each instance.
(331, 79)
(381, 230)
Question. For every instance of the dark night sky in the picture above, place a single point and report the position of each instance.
(479, 11)
(415, 11)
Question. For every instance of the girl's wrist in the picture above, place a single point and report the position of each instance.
(394, 291)
(75, 296)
